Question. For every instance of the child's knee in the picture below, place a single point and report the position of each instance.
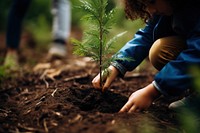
(155, 55)
(164, 50)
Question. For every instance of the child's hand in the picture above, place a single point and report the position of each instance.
(141, 99)
(113, 72)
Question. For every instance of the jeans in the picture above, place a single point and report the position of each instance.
(61, 21)
(14, 25)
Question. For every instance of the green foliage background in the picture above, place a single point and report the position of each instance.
(38, 20)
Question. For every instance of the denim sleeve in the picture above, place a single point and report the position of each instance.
(136, 49)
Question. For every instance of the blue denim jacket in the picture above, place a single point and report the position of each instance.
(173, 79)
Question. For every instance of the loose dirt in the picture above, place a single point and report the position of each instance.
(58, 97)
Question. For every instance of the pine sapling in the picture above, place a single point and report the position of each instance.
(96, 43)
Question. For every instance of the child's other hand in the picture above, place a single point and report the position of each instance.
(141, 99)
(113, 72)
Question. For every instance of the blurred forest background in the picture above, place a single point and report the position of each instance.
(38, 21)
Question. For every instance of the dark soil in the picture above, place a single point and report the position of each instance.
(68, 102)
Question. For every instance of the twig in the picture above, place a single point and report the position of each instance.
(45, 126)
(41, 100)
(76, 119)
(27, 112)
(38, 103)
(5, 111)
(57, 113)
(27, 128)
(52, 94)
(46, 83)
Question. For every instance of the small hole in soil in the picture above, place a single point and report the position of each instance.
(95, 100)
(82, 80)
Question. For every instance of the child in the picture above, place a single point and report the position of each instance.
(171, 38)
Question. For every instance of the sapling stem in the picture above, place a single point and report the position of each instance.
(101, 45)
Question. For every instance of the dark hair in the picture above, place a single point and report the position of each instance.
(135, 9)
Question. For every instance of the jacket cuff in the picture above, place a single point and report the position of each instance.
(119, 67)
(157, 87)
(163, 92)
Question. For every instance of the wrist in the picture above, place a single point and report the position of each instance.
(113, 69)
(153, 92)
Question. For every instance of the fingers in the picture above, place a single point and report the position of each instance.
(134, 109)
(126, 107)
(113, 72)
(107, 83)
(96, 82)
(129, 107)
(109, 75)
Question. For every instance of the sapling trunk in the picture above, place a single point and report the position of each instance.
(100, 59)
(100, 46)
